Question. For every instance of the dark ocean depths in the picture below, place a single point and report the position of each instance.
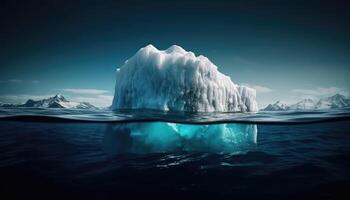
(56, 154)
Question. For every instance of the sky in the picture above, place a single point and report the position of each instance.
(286, 50)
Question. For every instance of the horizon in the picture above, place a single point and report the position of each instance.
(286, 51)
(37, 98)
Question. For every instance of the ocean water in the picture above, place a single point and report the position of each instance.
(60, 154)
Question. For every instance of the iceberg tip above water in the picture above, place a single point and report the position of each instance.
(177, 80)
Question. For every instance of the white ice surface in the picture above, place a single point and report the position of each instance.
(178, 80)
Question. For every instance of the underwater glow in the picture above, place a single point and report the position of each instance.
(165, 137)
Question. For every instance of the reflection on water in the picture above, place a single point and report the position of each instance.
(170, 137)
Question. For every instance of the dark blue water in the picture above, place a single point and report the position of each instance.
(53, 159)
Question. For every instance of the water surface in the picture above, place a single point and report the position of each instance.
(297, 156)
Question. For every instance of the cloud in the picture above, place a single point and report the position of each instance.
(259, 88)
(18, 81)
(15, 81)
(242, 60)
(320, 92)
(262, 89)
(21, 98)
(85, 91)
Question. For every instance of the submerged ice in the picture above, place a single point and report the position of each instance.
(166, 137)
(178, 80)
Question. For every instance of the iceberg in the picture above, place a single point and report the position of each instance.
(177, 80)
(168, 137)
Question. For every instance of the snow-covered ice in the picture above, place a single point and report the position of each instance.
(177, 80)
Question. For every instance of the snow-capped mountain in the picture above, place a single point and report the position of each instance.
(57, 101)
(335, 101)
(278, 106)
(305, 104)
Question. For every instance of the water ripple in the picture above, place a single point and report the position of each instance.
(126, 116)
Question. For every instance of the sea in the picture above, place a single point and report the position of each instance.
(147, 154)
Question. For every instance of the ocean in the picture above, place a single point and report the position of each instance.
(61, 154)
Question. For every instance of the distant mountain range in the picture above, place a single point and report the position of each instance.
(335, 101)
(57, 101)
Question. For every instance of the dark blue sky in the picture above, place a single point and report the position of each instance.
(286, 49)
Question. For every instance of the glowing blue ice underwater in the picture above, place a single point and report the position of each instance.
(167, 137)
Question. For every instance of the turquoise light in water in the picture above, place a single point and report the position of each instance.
(167, 137)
